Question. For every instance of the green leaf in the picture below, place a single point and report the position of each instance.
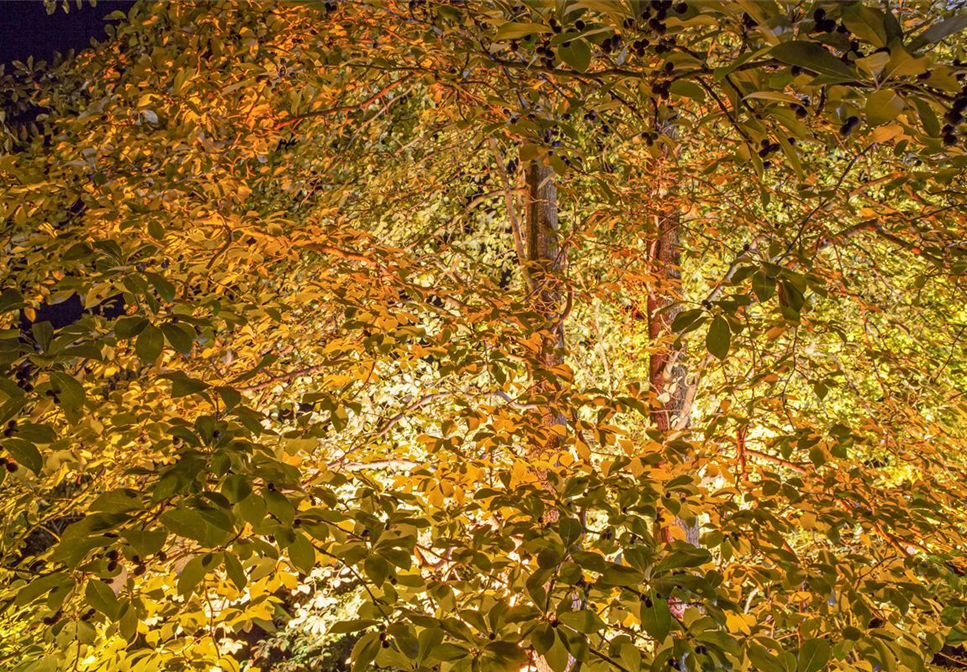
(688, 320)
(577, 54)
(128, 621)
(236, 488)
(584, 620)
(813, 655)
(25, 453)
(182, 385)
(883, 106)
(39, 587)
(279, 506)
(181, 338)
(868, 23)
(763, 287)
(164, 288)
(504, 657)
(764, 661)
(229, 395)
(619, 575)
(121, 500)
(129, 327)
(542, 637)
(100, 596)
(235, 571)
(302, 554)
(196, 569)
(149, 344)
(353, 625)
(719, 337)
(364, 652)
(687, 89)
(515, 31)
(376, 568)
(145, 542)
(70, 391)
(938, 31)
(190, 524)
(656, 619)
(812, 57)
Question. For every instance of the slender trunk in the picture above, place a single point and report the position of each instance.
(545, 261)
(667, 372)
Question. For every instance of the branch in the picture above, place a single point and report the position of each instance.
(293, 121)
(512, 215)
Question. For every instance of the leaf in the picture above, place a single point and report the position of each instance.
(129, 327)
(39, 587)
(353, 625)
(812, 57)
(656, 618)
(235, 571)
(25, 453)
(869, 23)
(229, 395)
(376, 568)
(236, 488)
(719, 337)
(193, 572)
(688, 320)
(542, 637)
(584, 620)
(149, 344)
(302, 554)
(576, 53)
(145, 542)
(764, 661)
(182, 385)
(775, 97)
(883, 106)
(515, 31)
(813, 655)
(179, 337)
(687, 89)
(100, 596)
(364, 652)
(70, 392)
(190, 524)
(938, 31)
(164, 288)
(504, 657)
(121, 500)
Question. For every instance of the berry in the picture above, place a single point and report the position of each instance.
(848, 126)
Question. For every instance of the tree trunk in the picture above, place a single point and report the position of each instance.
(667, 373)
(545, 261)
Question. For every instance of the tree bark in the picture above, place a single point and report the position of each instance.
(667, 372)
(545, 260)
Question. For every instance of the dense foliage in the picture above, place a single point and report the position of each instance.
(601, 335)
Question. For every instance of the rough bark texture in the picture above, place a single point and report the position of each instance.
(667, 373)
(545, 262)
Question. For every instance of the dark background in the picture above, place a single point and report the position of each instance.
(27, 30)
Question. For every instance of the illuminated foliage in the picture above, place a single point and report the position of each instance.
(614, 334)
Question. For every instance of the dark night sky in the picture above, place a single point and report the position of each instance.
(27, 30)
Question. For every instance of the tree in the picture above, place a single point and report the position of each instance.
(611, 335)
